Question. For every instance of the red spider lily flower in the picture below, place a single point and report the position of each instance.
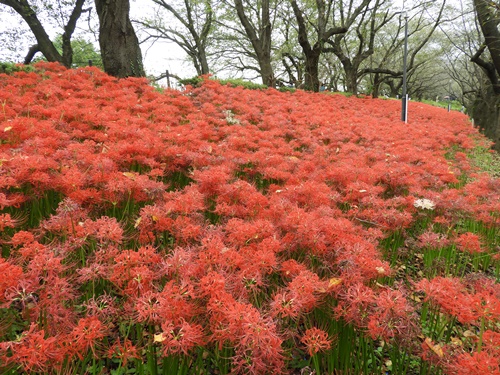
(432, 240)
(316, 340)
(139, 281)
(257, 344)
(11, 275)
(124, 352)
(186, 229)
(180, 338)
(188, 201)
(240, 232)
(173, 303)
(211, 180)
(33, 351)
(104, 307)
(475, 364)
(392, 317)
(355, 304)
(22, 238)
(86, 335)
(451, 295)
(6, 221)
(491, 342)
(469, 242)
(30, 250)
(105, 229)
(291, 268)
(301, 296)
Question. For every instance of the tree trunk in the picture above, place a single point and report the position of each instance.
(376, 85)
(351, 79)
(486, 108)
(486, 114)
(488, 20)
(311, 76)
(121, 54)
(202, 57)
(394, 88)
(266, 70)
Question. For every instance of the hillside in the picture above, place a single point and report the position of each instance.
(222, 230)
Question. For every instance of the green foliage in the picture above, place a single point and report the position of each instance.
(193, 81)
(240, 82)
(287, 89)
(83, 52)
(455, 104)
(197, 81)
(343, 93)
(9, 68)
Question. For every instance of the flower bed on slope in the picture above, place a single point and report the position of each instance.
(223, 230)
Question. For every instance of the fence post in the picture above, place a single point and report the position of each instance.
(168, 79)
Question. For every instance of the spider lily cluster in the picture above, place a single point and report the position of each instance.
(225, 230)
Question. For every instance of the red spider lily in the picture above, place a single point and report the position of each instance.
(432, 240)
(475, 364)
(124, 351)
(22, 238)
(172, 304)
(105, 229)
(301, 296)
(243, 212)
(469, 242)
(6, 221)
(104, 307)
(316, 340)
(257, 345)
(355, 304)
(12, 274)
(451, 295)
(86, 335)
(392, 317)
(33, 351)
(181, 338)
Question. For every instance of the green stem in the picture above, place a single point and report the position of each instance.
(316, 364)
(480, 343)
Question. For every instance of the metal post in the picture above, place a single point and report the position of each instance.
(404, 99)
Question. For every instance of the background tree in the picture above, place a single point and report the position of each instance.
(357, 44)
(386, 64)
(464, 39)
(289, 53)
(486, 109)
(190, 28)
(315, 17)
(245, 40)
(69, 13)
(120, 51)
(259, 34)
